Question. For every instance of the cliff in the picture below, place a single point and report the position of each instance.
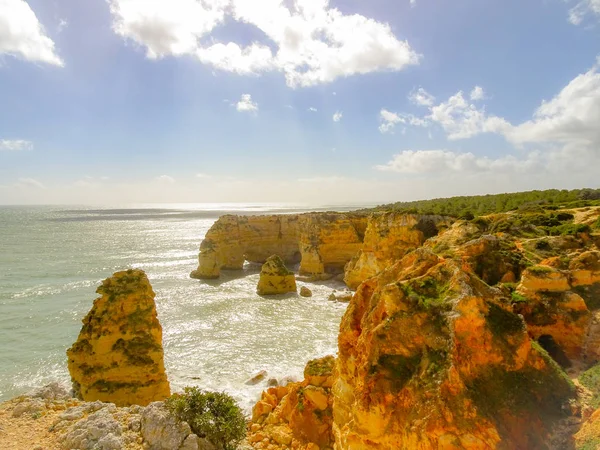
(432, 357)
(388, 237)
(320, 242)
(118, 355)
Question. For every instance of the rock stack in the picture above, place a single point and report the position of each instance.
(118, 356)
(275, 278)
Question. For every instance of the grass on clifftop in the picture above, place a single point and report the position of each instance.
(480, 205)
(591, 380)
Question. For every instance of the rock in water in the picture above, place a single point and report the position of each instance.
(275, 278)
(305, 292)
(118, 356)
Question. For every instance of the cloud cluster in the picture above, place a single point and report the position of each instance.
(15, 145)
(566, 127)
(389, 120)
(246, 104)
(22, 35)
(444, 161)
(582, 9)
(307, 40)
(337, 116)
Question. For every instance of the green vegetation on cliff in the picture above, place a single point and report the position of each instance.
(214, 416)
(469, 207)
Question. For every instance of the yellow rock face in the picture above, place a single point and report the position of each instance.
(431, 357)
(320, 242)
(388, 238)
(275, 278)
(118, 356)
(298, 415)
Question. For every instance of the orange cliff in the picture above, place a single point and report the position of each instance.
(388, 237)
(118, 356)
(320, 242)
(355, 244)
(431, 357)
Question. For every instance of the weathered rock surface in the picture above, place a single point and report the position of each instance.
(431, 357)
(275, 278)
(321, 242)
(388, 238)
(59, 422)
(298, 415)
(118, 356)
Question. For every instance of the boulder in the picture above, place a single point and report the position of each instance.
(305, 292)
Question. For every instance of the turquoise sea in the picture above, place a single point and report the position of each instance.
(216, 334)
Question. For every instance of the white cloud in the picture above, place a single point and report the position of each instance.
(444, 161)
(246, 104)
(337, 116)
(166, 27)
(583, 8)
(421, 97)
(30, 183)
(309, 42)
(166, 179)
(390, 119)
(477, 93)
(203, 175)
(571, 117)
(22, 35)
(62, 24)
(312, 109)
(461, 119)
(15, 145)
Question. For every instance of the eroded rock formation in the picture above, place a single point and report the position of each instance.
(298, 415)
(388, 237)
(275, 278)
(431, 357)
(320, 242)
(118, 356)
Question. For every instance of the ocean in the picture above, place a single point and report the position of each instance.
(216, 334)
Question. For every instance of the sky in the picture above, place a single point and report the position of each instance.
(300, 101)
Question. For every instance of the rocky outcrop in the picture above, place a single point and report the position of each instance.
(320, 242)
(52, 419)
(275, 278)
(328, 241)
(559, 300)
(118, 356)
(388, 237)
(431, 357)
(298, 415)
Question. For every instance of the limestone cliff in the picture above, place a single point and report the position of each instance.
(275, 278)
(118, 356)
(431, 357)
(298, 415)
(320, 242)
(388, 237)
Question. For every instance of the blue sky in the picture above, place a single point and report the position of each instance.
(308, 101)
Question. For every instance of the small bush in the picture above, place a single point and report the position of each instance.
(211, 415)
(597, 224)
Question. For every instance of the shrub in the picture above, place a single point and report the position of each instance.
(211, 415)
(597, 224)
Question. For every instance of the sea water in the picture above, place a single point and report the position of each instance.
(216, 334)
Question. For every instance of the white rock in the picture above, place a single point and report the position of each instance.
(160, 429)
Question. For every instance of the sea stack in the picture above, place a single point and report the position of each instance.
(118, 356)
(275, 278)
